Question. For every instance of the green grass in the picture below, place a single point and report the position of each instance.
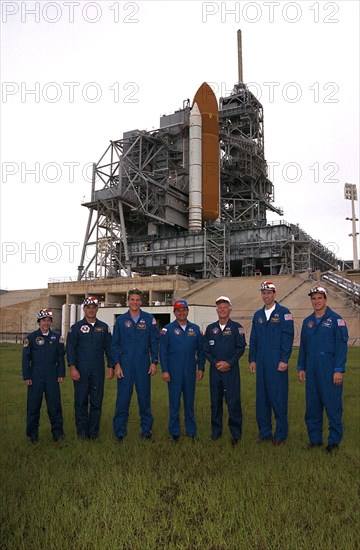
(195, 495)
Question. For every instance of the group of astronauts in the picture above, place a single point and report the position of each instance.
(134, 349)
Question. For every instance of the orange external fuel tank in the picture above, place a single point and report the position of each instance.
(207, 103)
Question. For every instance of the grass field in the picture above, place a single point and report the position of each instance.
(195, 495)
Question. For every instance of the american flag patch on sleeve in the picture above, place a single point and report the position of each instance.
(341, 323)
(288, 317)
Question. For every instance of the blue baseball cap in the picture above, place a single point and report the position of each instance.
(180, 303)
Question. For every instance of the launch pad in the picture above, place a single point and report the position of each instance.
(142, 209)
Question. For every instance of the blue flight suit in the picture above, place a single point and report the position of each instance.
(271, 342)
(132, 346)
(86, 345)
(43, 362)
(181, 353)
(225, 345)
(323, 351)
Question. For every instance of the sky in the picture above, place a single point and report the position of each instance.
(77, 74)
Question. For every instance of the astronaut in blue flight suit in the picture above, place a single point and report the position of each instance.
(271, 342)
(224, 344)
(43, 369)
(321, 363)
(87, 342)
(135, 352)
(182, 361)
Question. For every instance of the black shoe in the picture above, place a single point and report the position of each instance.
(331, 447)
(175, 439)
(214, 437)
(260, 439)
(312, 445)
(120, 438)
(278, 442)
(94, 437)
(192, 437)
(57, 438)
(147, 437)
(235, 441)
(33, 440)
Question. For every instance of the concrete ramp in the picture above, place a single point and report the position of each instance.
(292, 291)
(18, 312)
(13, 297)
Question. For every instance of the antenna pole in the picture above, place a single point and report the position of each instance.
(240, 64)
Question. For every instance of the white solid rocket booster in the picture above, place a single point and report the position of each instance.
(72, 314)
(63, 320)
(195, 167)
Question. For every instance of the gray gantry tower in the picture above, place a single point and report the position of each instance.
(138, 211)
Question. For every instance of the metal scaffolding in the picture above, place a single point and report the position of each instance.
(246, 191)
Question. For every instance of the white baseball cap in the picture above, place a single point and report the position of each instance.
(268, 285)
(317, 290)
(223, 299)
